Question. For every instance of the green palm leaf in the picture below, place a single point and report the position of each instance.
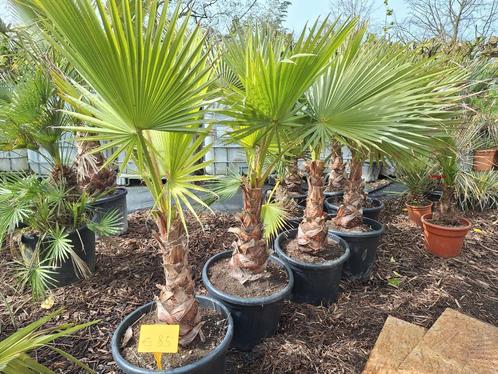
(264, 76)
(145, 72)
(15, 349)
(377, 97)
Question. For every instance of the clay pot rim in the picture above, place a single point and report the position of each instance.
(420, 206)
(466, 226)
(487, 150)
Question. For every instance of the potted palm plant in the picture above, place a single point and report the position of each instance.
(415, 173)
(56, 241)
(377, 99)
(445, 230)
(264, 77)
(149, 75)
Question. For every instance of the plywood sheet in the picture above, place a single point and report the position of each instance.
(396, 340)
(455, 344)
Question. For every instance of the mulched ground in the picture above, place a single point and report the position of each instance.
(407, 283)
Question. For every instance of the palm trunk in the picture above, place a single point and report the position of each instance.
(92, 177)
(447, 204)
(250, 254)
(293, 181)
(337, 179)
(176, 303)
(312, 231)
(283, 197)
(350, 213)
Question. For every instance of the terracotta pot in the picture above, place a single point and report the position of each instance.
(444, 241)
(417, 211)
(484, 159)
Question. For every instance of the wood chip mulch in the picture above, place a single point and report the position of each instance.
(407, 283)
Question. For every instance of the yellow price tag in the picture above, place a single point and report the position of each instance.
(158, 338)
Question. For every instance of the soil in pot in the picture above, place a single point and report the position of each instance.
(357, 229)
(327, 254)
(275, 279)
(213, 332)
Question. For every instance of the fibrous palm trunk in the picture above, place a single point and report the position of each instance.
(92, 177)
(337, 178)
(350, 213)
(176, 303)
(312, 231)
(250, 254)
(292, 180)
(447, 205)
(283, 196)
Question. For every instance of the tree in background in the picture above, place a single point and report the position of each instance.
(449, 21)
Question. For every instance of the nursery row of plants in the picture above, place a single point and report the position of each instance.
(143, 80)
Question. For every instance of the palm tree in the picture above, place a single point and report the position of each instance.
(265, 75)
(31, 117)
(148, 75)
(379, 100)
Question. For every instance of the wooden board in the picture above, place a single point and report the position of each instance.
(396, 340)
(455, 344)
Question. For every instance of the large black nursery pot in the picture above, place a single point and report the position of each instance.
(363, 249)
(313, 283)
(114, 201)
(82, 241)
(212, 363)
(332, 206)
(254, 318)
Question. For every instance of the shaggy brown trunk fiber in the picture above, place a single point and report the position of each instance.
(312, 231)
(292, 180)
(92, 178)
(447, 206)
(176, 303)
(337, 178)
(250, 254)
(283, 196)
(66, 176)
(350, 213)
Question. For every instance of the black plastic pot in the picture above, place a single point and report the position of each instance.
(254, 318)
(212, 363)
(83, 244)
(363, 248)
(313, 283)
(300, 199)
(114, 201)
(332, 206)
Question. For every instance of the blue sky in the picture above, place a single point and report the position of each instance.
(305, 10)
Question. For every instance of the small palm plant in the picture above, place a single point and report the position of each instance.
(15, 349)
(48, 212)
(148, 74)
(415, 173)
(265, 75)
(31, 117)
(378, 100)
